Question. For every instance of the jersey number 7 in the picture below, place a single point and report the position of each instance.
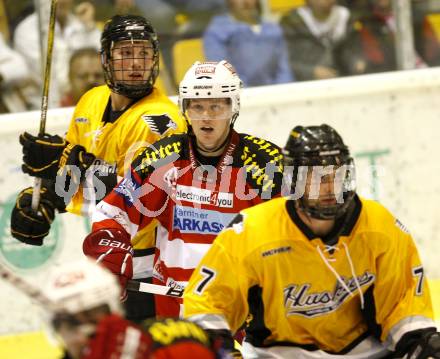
(419, 273)
(208, 275)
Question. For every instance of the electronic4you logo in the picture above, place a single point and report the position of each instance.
(204, 196)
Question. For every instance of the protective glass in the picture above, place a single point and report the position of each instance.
(209, 109)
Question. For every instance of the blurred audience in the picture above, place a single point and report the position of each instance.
(72, 31)
(85, 72)
(314, 35)
(373, 40)
(427, 40)
(169, 17)
(319, 40)
(13, 71)
(256, 48)
(105, 9)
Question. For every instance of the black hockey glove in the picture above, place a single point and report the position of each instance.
(428, 346)
(31, 227)
(73, 164)
(419, 344)
(41, 154)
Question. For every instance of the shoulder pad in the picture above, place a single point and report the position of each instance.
(166, 150)
(263, 161)
(159, 124)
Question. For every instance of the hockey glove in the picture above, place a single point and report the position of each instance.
(27, 225)
(73, 163)
(41, 154)
(113, 249)
(428, 346)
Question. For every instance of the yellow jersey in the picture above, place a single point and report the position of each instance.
(304, 296)
(114, 143)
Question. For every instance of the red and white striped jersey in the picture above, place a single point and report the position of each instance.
(191, 201)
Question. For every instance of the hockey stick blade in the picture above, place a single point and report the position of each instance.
(135, 286)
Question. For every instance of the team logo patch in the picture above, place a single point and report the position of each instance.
(128, 189)
(204, 196)
(237, 223)
(81, 120)
(205, 69)
(159, 124)
(201, 221)
(299, 300)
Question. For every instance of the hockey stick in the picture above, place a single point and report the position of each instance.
(45, 98)
(31, 291)
(135, 286)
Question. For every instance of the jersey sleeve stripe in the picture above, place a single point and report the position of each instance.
(210, 321)
(406, 325)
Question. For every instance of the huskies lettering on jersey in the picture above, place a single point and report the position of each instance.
(298, 300)
(159, 124)
(201, 221)
(204, 196)
(128, 189)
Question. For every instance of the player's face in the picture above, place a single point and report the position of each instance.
(324, 186)
(75, 339)
(210, 120)
(132, 61)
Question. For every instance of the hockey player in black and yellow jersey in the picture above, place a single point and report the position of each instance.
(322, 273)
(109, 123)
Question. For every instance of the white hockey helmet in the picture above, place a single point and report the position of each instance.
(82, 285)
(211, 80)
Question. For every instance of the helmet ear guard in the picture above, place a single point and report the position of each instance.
(321, 149)
(128, 28)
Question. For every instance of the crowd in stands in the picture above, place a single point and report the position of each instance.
(315, 39)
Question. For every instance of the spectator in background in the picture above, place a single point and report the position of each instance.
(255, 48)
(427, 30)
(85, 72)
(105, 9)
(13, 71)
(314, 35)
(71, 33)
(373, 40)
(197, 15)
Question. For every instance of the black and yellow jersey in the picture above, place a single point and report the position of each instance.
(115, 143)
(304, 296)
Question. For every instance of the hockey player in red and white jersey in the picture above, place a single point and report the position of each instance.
(193, 184)
(86, 316)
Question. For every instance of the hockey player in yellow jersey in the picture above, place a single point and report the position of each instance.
(109, 123)
(322, 273)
